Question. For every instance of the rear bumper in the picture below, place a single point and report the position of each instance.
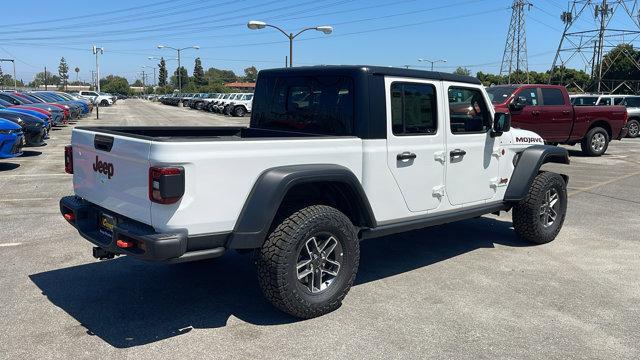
(149, 244)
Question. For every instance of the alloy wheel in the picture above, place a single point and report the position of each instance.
(319, 262)
(598, 141)
(549, 208)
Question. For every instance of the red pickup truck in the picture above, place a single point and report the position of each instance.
(547, 110)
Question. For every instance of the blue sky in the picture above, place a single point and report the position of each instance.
(469, 33)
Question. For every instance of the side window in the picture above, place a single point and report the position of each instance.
(618, 101)
(413, 109)
(632, 102)
(552, 97)
(531, 95)
(605, 102)
(468, 111)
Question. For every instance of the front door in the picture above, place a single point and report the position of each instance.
(472, 165)
(415, 141)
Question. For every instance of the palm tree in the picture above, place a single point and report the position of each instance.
(77, 70)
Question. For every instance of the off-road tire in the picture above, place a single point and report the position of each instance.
(239, 111)
(586, 143)
(634, 128)
(278, 257)
(526, 213)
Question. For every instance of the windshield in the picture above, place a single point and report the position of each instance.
(498, 94)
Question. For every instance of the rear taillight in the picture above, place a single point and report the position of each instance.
(68, 159)
(166, 184)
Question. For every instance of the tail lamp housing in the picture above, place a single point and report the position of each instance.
(68, 159)
(166, 184)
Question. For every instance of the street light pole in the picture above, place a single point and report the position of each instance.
(433, 61)
(256, 25)
(15, 81)
(96, 51)
(179, 73)
(154, 72)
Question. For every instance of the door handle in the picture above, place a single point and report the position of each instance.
(535, 112)
(457, 152)
(406, 156)
(565, 112)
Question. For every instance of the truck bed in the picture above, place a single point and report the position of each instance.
(194, 133)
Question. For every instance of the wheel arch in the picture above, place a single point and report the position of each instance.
(276, 188)
(528, 166)
(603, 124)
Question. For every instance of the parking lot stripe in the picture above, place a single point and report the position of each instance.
(10, 244)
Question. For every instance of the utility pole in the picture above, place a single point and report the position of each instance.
(45, 78)
(589, 45)
(96, 51)
(514, 58)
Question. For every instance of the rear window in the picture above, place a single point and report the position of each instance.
(311, 104)
(552, 97)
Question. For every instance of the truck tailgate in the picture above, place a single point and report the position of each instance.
(112, 171)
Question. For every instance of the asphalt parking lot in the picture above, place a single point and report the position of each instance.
(464, 290)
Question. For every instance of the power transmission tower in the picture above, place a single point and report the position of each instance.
(590, 40)
(515, 49)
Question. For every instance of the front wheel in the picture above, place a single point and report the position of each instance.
(596, 142)
(538, 217)
(634, 128)
(104, 103)
(309, 261)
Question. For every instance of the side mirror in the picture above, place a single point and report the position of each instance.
(501, 124)
(519, 103)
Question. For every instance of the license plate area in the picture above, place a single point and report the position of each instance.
(106, 224)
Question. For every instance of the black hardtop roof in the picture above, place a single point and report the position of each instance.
(376, 70)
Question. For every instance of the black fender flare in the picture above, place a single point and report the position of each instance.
(528, 166)
(272, 185)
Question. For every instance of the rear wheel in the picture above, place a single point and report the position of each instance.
(596, 142)
(239, 111)
(634, 128)
(538, 218)
(104, 103)
(309, 261)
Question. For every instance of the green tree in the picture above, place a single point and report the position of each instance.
(115, 84)
(250, 74)
(63, 71)
(198, 73)
(162, 73)
(184, 77)
(137, 83)
(40, 79)
(218, 76)
(462, 71)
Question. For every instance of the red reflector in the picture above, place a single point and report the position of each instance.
(124, 244)
(68, 159)
(69, 217)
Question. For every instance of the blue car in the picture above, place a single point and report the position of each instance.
(41, 116)
(11, 139)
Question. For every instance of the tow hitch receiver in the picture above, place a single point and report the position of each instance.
(102, 254)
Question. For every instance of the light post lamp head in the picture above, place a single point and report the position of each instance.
(325, 29)
(160, 46)
(196, 47)
(255, 25)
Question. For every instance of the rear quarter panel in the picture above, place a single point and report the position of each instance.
(220, 174)
(586, 116)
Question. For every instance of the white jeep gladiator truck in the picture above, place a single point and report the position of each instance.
(333, 155)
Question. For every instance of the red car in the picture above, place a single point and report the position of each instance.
(547, 110)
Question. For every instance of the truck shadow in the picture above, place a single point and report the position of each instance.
(129, 303)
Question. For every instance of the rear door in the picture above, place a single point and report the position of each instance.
(415, 140)
(472, 164)
(556, 120)
(528, 118)
(112, 171)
